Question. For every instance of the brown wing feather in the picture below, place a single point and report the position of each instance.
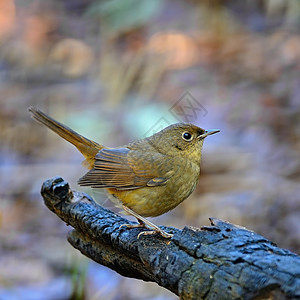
(124, 169)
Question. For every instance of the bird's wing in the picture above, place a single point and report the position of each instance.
(126, 169)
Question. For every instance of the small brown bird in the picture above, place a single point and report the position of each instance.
(147, 177)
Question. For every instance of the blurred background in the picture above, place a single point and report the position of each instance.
(119, 70)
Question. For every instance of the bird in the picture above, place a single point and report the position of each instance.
(147, 177)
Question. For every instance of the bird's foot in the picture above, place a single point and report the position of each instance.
(161, 232)
(133, 225)
(146, 224)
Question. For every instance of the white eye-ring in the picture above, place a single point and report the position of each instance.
(187, 136)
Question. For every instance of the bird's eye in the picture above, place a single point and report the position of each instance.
(187, 136)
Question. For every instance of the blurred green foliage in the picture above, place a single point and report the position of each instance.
(121, 16)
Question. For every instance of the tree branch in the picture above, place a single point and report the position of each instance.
(222, 261)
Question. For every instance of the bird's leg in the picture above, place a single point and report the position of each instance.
(145, 223)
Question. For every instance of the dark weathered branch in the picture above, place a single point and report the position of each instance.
(223, 261)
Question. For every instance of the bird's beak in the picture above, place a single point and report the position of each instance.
(208, 132)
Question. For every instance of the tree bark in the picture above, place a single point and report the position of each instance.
(222, 261)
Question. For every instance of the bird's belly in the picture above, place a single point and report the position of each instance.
(154, 201)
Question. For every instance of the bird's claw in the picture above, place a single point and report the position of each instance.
(159, 231)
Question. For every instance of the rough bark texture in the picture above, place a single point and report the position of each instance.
(223, 261)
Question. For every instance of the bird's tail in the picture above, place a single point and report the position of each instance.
(88, 148)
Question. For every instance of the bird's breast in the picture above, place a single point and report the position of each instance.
(156, 200)
(183, 183)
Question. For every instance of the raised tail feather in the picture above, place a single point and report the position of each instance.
(88, 148)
